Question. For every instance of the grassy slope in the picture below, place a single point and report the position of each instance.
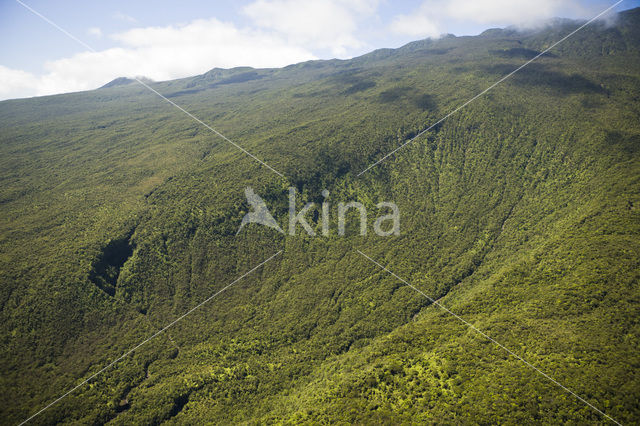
(521, 212)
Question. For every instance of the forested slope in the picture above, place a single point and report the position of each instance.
(520, 213)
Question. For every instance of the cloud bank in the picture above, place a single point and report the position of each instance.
(160, 53)
(432, 17)
(330, 25)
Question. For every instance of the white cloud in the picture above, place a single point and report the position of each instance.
(522, 12)
(432, 17)
(330, 25)
(421, 23)
(95, 31)
(16, 83)
(168, 52)
(124, 17)
(160, 53)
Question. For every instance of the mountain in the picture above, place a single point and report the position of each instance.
(519, 214)
(123, 81)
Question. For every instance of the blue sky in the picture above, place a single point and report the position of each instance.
(169, 39)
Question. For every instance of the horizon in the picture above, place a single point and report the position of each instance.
(251, 34)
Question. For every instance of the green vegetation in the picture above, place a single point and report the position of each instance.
(521, 212)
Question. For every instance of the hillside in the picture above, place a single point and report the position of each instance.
(520, 213)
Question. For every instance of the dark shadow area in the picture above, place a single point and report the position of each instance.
(539, 75)
(424, 102)
(438, 51)
(360, 86)
(106, 269)
(518, 52)
(239, 78)
(394, 94)
(354, 83)
(178, 404)
(234, 79)
(313, 94)
(625, 142)
(184, 92)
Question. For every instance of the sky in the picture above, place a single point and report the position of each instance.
(164, 40)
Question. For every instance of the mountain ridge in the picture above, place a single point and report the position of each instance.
(123, 81)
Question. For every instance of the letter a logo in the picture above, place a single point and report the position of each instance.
(260, 213)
